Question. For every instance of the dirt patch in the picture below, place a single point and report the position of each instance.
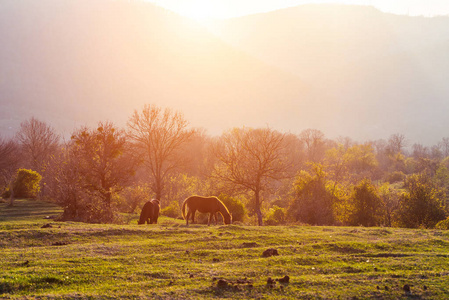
(270, 252)
(249, 245)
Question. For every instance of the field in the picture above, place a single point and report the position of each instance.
(68, 260)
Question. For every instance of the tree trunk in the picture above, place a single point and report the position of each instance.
(11, 194)
(258, 212)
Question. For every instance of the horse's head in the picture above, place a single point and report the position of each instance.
(228, 219)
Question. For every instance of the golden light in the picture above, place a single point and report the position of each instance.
(203, 10)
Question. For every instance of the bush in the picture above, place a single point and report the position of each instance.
(235, 207)
(443, 225)
(422, 205)
(172, 211)
(26, 184)
(396, 176)
(365, 205)
(275, 216)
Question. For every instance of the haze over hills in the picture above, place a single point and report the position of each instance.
(72, 63)
(380, 73)
(346, 70)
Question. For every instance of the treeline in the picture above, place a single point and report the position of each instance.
(264, 176)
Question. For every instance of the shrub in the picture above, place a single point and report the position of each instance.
(365, 205)
(396, 176)
(443, 225)
(275, 216)
(312, 202)
(235, 207)
(172, 211)
(26, 184)
(422, 205)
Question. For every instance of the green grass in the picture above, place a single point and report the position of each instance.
(172, 261)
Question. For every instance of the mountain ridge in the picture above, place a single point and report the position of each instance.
(345, 70)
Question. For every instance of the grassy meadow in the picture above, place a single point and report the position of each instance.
(44, 259)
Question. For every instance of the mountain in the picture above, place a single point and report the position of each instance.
(77, 62)
(346, 70)
(380, 73)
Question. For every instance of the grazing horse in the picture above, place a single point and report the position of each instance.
(211, 205)
(150, 212)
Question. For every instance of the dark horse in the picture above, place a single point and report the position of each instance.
(211, 205)
(150, 212)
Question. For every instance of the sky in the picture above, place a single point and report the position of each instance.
(210, 9)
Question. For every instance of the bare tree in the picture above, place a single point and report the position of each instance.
(445, 146)
(38, 141)
(252, 159)
(9, 160)
(396, 143)
(158, 135)
(314, 142)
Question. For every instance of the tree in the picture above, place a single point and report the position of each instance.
(422, 205)
(314, 142)
(351, 163)
(9, 161)
(105, 165)
(396, 143)
(158, 135)
(366, 205)
(390, 199)
(445, 146)
(312, 201)
(38, 141)
(251, 159)
(67, 186)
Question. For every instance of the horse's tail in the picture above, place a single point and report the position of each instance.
(183, 209)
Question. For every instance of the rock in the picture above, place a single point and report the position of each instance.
(270, 252)
(285, 279)
(406, 288)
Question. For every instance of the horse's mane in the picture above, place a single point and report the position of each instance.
(222, 205)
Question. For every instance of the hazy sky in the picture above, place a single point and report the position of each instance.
(203, 9)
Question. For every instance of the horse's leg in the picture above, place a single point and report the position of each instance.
(187, 217)
(193, 216)
(211, 215)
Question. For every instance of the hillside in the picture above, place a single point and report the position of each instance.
(380, 73)
(45, 259)
(71, 63)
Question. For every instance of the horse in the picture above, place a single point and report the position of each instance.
(150, 212)
(211, 205)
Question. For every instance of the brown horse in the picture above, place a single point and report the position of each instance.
(211, 205)
(150, 212)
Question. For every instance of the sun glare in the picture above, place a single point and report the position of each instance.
(201, 10)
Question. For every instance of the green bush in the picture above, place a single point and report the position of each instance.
(26, 184)
(172, 211)
(443, 225)
(235, 207)
(275, 216)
